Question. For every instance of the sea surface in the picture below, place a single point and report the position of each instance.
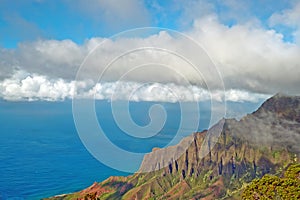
(41, 154)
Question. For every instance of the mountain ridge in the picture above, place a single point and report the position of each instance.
(213, 164)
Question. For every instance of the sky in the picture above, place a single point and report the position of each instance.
(254, 46)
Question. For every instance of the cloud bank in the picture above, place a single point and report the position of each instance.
(253, 61)
(23, 86)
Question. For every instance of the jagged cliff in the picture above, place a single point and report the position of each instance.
(213, 165)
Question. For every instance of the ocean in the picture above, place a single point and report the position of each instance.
(41, 154)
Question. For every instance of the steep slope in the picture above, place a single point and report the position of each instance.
(214, 166)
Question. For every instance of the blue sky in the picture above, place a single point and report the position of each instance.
(29, 20)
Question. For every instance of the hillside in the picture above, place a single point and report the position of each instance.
(274, 187)
(264, 142)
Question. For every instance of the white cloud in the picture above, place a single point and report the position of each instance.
(23, 86)
(241, 96)
(250, 57)
(288, 17)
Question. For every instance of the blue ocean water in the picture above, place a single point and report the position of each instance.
(41, 154)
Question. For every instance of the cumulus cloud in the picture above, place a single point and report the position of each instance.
(249, 56)
(24, 86)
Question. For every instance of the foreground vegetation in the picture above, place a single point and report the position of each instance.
(274, 187)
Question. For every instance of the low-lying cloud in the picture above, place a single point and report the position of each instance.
(23, 86)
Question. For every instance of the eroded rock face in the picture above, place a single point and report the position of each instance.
(275, 125)
(193, 148)
(207, 164)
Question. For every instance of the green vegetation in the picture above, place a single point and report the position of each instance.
(273, 187)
